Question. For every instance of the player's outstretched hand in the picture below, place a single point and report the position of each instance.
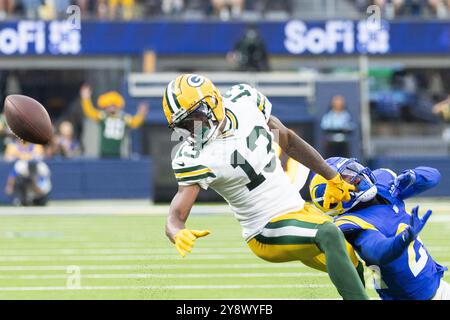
(403, 181)
(416, 223)
(185, 239)
(336, 190)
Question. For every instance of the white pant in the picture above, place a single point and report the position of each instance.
(443, 292)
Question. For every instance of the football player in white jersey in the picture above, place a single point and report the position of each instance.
(229, 147)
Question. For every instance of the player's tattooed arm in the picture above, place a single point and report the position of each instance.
(179, 210)
(298, 149)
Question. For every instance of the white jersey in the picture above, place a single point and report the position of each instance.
(241, 165)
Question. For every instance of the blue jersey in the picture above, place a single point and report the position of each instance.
(413, 275)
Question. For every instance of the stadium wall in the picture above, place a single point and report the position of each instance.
(95, 179)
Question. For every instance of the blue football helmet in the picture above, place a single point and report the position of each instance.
(353, 172)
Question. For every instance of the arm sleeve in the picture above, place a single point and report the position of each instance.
(426, 178)
(89, 110)
(134, 121)
(375, 248)
(188, 170)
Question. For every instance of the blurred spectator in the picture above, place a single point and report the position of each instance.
(30, 8)
(172, 7)
(443, 108)
(65, 145)
(440, 8)
(337, 125)
(29, 183)
(227, 8)
(390, 8)
(113, 121)
(22, 150)
(126, 8)
(250, 53)
(6, 8)
(53, 9)
(6, 136)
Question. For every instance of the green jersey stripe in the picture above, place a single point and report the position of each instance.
(234, 116)
(263, 109)
(188, 169)
(196, 178)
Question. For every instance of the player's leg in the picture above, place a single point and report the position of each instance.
(303, 236)
(342, 273)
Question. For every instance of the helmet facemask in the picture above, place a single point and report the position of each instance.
(199, 126)
(363, 179)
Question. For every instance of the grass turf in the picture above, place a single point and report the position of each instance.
(129, 257)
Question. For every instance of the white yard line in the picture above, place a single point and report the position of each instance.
(143, 251)
(159, 267)
(166, 276)
(174, 287)
(174, 256)
(87, 251)
(106, 209)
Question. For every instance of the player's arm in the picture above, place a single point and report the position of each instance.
(413, 182)
(179, 210)
(379, 249)
(86, 104)
(301, 151)
(138, 119)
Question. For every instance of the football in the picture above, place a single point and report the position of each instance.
(28, 119)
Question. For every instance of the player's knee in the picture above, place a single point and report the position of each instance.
(329, 236)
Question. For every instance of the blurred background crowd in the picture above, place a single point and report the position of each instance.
(89, 92)
(223, 9)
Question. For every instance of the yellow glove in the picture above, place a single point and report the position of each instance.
(185, 238)
(336, 190)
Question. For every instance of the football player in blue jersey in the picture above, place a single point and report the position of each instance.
(383, 233)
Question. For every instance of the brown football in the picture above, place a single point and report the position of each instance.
(28, 119)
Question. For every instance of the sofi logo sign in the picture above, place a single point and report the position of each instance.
(336, 36)
(37, 37)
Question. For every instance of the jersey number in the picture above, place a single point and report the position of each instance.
(242, 93)
(114, 129)
(237, 160)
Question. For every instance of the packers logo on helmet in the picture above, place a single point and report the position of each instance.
(195, 80)
(192, 98)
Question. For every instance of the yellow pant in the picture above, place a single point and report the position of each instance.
(290, 237)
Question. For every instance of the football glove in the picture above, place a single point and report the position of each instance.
(185, 239)
(336, 190)
(416, 223)
(402, 182)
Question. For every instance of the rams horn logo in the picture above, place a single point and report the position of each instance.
(195, 80)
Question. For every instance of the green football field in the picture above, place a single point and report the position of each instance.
(127, 256)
